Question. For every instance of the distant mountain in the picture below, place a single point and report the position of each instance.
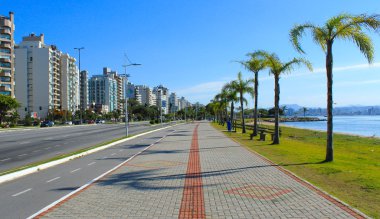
(297, 110)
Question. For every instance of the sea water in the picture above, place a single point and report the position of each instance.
(357, 125)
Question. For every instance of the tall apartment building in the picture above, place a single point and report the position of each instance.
(130, 91)
(147, 97)
(83, 90)
(173, 103)
(102, 90)
(38, 76)
(183, 103)
(120, 80)
(7, 27)
(69, 84)
(162, 98)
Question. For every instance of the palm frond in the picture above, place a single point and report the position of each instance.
(297, 32)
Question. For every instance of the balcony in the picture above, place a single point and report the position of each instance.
(5, 31)
(5, 60)
(5, 88)
(6, 23)
(5, 74)
(5, 46)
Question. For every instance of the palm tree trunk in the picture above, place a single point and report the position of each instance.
(242, 113)
(329, 66)
(232, 112)
(255, 110)
(276, 139)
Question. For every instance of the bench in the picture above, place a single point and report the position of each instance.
(263, 132)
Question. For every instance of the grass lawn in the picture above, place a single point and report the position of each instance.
(353, 177)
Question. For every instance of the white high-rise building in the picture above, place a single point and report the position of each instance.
(102, 90)
(173, 103)
(162, 98)
(38, 76)
(70, 97)
(145, 95)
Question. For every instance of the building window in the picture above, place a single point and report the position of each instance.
(31, 59)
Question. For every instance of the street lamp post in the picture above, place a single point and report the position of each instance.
(81, 106)
(126, 96)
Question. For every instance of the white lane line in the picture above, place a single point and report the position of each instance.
(113, 154)
(73, 171)
(65, 143)
(57, 145)
(121, 150)
(21, 155)
(17, 194)
(47, 148)
(51, 180)
(5, 159)
(105, 157)
(91, 163)
(36, 151)
(25, 142)
(48, 138)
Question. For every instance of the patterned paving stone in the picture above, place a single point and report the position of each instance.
(215, 177)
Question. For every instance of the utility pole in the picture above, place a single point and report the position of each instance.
(81, 106)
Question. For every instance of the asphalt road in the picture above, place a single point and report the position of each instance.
(22, 147)
(25, 196)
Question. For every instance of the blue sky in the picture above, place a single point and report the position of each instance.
(191, 46)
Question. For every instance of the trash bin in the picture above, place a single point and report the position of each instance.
(229, 125)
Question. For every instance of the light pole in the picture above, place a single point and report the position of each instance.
(160, 92)
(81, 106)
(126, 95)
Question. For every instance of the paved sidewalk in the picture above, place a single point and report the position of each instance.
(197, 172)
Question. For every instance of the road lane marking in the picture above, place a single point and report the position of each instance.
(113, 154)
(73, 171)
(57, 145)
(91, 163)
(25, 142)
(121, 150)
(47, 148)
(36, 151)
(48, 138)
(65, 143)
(5, 159)
(51, 180)
(105, 157)
(17, 194)
(21, 155)
(85, 186)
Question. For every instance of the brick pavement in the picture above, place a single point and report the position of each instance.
(165, 182)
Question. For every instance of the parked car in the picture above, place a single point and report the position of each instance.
(100, 121)
(91, 122)
(47, 124)
(68, 123)
(77, 122)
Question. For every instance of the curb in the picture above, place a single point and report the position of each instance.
(334, 200)
(18, 174)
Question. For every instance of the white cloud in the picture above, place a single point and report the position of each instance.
(323, 70)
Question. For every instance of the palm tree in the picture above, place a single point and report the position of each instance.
(346, 27)
(231, 95)
(255, 65)
(242, 86)
(277, 68)
(222, 99)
